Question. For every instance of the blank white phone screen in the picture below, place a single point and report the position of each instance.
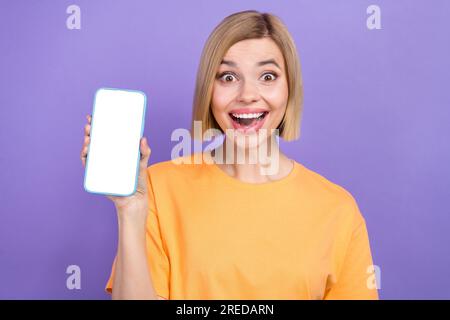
(112, 165)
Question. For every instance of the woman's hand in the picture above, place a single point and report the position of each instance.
(137, 203)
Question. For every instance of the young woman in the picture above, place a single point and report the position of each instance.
(229, 229)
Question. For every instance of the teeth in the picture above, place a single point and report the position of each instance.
(247, 115)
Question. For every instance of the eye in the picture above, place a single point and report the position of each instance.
(226, 77)
(269, 76)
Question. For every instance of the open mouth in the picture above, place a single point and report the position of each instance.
(247, 121)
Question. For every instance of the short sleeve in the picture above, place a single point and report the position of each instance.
(354, 281)
(157, 257)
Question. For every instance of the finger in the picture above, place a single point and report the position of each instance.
(89, 118)
(83, 156)
(87, 129)
(87, 140)
(84, 152)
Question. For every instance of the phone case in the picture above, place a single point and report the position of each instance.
(117, 125)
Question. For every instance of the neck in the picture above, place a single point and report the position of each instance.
(249, 165)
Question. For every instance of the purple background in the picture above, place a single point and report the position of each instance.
(376, 121)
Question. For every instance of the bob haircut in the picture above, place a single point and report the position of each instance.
(249, 24)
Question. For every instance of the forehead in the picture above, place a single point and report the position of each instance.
(251, 50)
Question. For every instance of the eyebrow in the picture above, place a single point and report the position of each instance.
(259, 64)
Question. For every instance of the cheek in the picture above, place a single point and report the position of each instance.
(277, 96)
(221, 98)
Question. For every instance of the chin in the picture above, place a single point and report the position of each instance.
(248, 139)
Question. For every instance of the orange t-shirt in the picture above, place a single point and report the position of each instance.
(212, 236)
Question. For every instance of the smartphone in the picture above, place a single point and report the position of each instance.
(117, 125)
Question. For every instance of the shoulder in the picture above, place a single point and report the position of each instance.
(332, 196)
(182, 168)
(325, 188)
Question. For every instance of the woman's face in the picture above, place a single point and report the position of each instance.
(250, 91)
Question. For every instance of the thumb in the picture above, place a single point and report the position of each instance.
(145, 155)
(145, 152)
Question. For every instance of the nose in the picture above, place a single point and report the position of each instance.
(248, 92)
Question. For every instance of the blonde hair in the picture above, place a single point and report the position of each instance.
(240, 26)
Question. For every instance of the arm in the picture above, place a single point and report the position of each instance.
(132, 279)
(141, 265)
